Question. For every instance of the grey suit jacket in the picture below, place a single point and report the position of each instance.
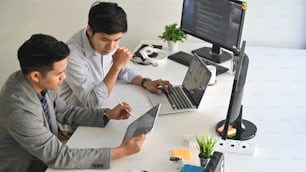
(25, 134)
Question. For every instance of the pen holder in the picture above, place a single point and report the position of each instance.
(177, 162)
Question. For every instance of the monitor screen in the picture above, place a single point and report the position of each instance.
(244, 129)
(218, 22)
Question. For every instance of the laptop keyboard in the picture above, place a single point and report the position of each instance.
(177, 99)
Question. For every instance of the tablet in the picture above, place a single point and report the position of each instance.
(143, 124)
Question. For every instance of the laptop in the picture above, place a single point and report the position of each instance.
(185, 97)
(143, 124)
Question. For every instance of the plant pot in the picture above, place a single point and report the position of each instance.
(204, 161)
(173, 46)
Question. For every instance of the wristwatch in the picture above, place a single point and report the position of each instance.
(105, 118)
(145, 80)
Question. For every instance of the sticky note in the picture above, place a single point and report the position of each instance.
(183, 153)
(231, 132)
(244, 5)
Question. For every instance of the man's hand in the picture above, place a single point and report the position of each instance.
(121, 57)
(157, 86)
(121, 111)
(128, 147)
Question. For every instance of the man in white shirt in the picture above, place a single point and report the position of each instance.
(96, 61)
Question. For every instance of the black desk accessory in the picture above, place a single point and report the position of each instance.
(185, 59)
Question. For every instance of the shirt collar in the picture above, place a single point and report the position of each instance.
(89, 51)
(42, 94)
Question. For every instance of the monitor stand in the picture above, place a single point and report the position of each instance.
(245, 129)
(214, 54)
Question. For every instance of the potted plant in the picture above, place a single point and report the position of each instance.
(206, 147)
(172, 34)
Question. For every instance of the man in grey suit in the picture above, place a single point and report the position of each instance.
(30, 108)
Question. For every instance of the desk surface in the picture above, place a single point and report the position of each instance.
(273, 100)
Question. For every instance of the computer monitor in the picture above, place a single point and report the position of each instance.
(218, 22)
(244, 129)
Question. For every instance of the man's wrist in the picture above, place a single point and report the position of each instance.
(105, 117)
(117, 153)
(143, 81)
(105, 112)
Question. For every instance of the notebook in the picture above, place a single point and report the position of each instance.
(143, 124)
(185, 97)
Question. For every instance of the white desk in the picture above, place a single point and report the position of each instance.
(273, 100)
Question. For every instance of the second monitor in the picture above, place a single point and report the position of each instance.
(245, 129)
(218, 22)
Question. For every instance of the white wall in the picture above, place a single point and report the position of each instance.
(275, 23)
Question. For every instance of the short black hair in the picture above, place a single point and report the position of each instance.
(40, 52)
(107, 17)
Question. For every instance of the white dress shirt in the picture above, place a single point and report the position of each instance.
(86, 70)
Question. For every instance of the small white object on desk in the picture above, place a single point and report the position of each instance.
(135, 170)
(235, 146)
(213, 71)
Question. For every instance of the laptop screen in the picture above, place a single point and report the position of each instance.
(196, 80)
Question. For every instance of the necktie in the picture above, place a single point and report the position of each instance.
(45, 106)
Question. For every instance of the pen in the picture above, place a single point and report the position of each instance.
(120, 102)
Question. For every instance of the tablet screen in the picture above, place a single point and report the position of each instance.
(143, 124)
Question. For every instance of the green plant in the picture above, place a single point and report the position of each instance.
(206, 145)
(173, 33)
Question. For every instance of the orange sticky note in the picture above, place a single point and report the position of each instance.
(183, 153)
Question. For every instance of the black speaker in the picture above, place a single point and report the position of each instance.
(216, 163)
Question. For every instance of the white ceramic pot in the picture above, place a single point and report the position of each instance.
(173, 46)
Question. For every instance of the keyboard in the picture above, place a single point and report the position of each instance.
(177, 99)
(185, 59)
